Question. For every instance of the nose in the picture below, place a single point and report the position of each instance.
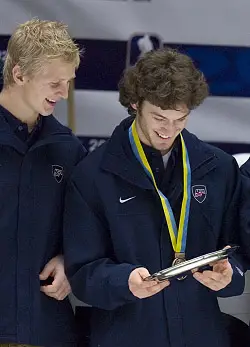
(169, 129)
(64, 90)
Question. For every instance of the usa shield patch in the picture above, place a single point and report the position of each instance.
(57, 172)
(199, 193)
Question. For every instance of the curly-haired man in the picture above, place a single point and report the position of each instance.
(150, 197)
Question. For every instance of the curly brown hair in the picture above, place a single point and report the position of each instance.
(166, 78)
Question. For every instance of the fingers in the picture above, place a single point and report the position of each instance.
(143, 273)
(58, 293)
(47, 271)
(208, 279)
(157, 288)
(60, 286)
(141, 288)
(214, 280)
(138, 278)
(55, 265)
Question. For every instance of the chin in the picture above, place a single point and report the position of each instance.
(160, 148)
(163, 146)
(45, 114)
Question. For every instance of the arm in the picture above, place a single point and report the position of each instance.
(245, 210)
(231, 234)
(54, 282)
(227, 276)
(95, 277)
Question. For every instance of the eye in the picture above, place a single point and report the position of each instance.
(158, 119)
(181, 120)
(54, 84)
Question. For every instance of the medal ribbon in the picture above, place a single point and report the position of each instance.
(178, 236)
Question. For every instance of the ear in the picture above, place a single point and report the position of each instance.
(134, 106)
(17, 75)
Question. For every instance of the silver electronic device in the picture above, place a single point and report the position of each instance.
(181, 270)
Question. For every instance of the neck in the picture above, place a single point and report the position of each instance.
(166, 151)
(12, 101)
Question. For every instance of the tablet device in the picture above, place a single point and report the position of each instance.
(182, 269)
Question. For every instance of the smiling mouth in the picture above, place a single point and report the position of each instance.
(51, 102)
(164, 137)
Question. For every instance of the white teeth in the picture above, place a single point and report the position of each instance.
(164, 136)
(51, 100)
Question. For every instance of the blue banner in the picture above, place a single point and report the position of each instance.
(226, 68)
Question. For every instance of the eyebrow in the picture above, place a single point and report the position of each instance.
(162, 117)
(63, 79)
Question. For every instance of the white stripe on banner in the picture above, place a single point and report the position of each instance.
(219, 119)
(183, 21)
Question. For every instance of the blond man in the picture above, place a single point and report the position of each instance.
(37, 156)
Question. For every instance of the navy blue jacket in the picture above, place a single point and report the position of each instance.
(245, 209)
(105, 240)
(32, 186)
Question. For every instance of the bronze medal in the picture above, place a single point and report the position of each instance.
(179, 258)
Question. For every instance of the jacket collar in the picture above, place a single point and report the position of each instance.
(119, 159)
(51, 131)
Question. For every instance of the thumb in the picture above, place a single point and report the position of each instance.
(143, 272)
(46, 272)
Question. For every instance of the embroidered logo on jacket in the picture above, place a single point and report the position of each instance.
(122, 201)
(57, 172)
(199, 193)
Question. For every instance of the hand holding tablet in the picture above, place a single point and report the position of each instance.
(185, 267)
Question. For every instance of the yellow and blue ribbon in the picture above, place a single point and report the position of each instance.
(178, 236)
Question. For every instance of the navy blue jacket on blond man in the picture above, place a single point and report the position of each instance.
(34, 169)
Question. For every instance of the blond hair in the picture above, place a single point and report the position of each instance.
(35, 42)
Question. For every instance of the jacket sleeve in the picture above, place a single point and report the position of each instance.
(237, 285)
(77, 152)
(82, 151)
(245, 209)
(95, 277)
(231, 234)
